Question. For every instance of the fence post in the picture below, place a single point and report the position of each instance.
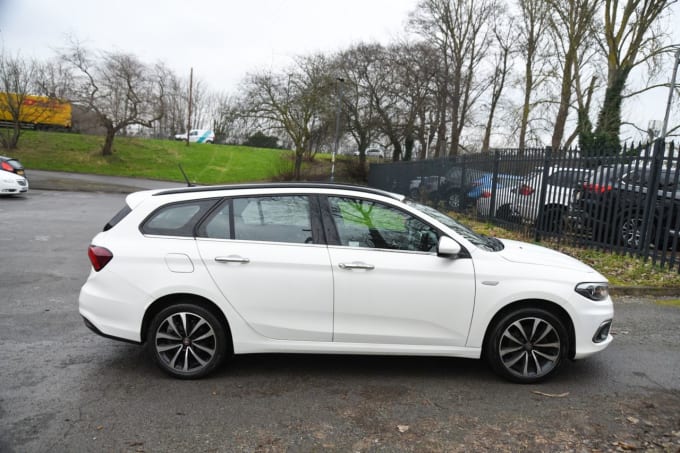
(547, 158)
(494, 181)
(650, 200)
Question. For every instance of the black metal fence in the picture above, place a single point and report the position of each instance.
(628, 203)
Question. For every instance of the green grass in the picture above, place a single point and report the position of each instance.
(669, 302)
(149, 158)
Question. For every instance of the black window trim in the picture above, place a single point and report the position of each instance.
(216, 202)
(334, 237)
(318, 234)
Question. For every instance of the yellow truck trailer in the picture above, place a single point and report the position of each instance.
(36, 112)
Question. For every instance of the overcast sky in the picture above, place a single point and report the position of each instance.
(221, 40)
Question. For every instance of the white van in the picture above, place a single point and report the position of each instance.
(198, 136)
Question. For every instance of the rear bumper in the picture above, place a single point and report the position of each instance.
(94, 329)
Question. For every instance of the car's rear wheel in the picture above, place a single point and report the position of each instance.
(527, 345)
(629, 230)
(552, 220)
(509, 214)
(187, 341)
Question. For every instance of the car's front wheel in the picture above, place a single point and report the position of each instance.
(527, 345)
(187, 341)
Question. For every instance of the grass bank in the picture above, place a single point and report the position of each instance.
(150, 158)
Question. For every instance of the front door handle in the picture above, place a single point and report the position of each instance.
(357, 265)
(232, 259)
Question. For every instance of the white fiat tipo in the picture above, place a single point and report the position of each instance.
(200, 273)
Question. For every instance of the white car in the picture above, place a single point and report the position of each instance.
(197, 136)
(522, 202)
(12, 184)
(373, 153)
(200, 273)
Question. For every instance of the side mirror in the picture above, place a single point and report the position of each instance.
(448, 247)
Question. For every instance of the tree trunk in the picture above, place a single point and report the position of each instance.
(107, 149)
(565, 98)
(609, 118)
(298, 164)
(528, 87)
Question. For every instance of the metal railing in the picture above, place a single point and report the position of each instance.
(628, 203)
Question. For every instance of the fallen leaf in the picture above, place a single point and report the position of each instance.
(100, 427)
(551, 395)
(402, 428)
(633, 420)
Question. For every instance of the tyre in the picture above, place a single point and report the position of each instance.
(552, 220)
(508, 214)
(187, 341)
(527, 345)
(629, 231)
(453, 200)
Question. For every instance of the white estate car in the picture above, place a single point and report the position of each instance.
(200, 273)
(12, 184)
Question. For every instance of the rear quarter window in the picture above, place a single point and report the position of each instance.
(177, 219)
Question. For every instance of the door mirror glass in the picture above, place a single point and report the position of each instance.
(448, 247)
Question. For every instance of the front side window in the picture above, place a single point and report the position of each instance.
(364, 223)
(177, 219)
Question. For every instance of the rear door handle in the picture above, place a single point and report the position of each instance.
(232, 259)
(357, 265)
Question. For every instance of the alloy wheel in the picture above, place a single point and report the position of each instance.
(185, 342)
(529, 347)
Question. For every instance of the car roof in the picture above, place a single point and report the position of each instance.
(282, 185)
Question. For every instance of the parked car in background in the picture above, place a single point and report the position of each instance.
(449, 188)
(482, 187)
(197, 136)
(12, 184)
(612, 206)
(522, 203)
(372, 153)
(200, 273)
(12, 165)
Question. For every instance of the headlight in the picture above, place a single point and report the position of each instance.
(593, 291)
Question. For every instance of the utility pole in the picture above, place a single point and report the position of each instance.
(664, 129)
(341, 81)
(191, 92)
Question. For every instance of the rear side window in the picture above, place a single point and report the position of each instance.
(177, 219)
(120, 215)
(269, 219)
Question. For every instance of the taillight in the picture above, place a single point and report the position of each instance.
(486, 194)
(525, 190)
(5, 166)
(99, 257)
(597, 188)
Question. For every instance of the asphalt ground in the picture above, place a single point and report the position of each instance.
(64, 389)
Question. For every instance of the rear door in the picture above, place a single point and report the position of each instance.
(268, 257)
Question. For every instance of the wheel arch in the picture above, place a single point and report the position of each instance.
(170, 299)
(552, 307)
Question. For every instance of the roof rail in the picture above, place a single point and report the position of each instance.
(281, 185)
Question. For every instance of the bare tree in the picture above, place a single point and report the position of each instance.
(461, 30)
(17, 76)
(532, 42)
(631, 36)
(360, 118)
(504, 43)
(292, 102)
(118, 88)
(571, 22)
